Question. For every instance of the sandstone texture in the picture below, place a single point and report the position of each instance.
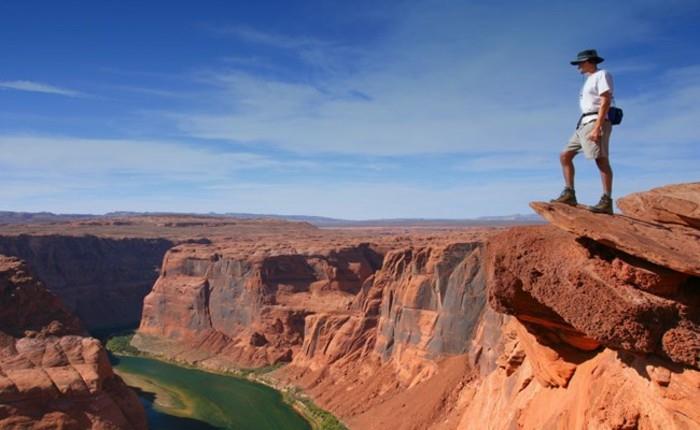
(589, 323)
(542, 383)
(400, 357)
(672, 204)
(51, 374)
(252, 305)
(102, 268)
(216, 307)
(674, 247)
(363, 326)
(102, 280)
(586, 292)
(606, 328)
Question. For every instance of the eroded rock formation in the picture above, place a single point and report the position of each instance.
(400, 359)
(102, 268)
(51, 374)
(541, 382)
(607, 310)
(215, 306)
(364, 326)
(672, 204)
(589, 323)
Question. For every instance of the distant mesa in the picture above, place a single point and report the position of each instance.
(170, 219)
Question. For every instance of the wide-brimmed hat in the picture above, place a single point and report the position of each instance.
(587, 55)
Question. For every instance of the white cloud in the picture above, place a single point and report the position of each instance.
(71, 157)
(37, 87)
(365, 200)
(516, 161)
(474, 81)
(665, 115)
(357, 200)
(15, 190)
(459, 79)
(152, 91)
(269, 38)
(430, 118)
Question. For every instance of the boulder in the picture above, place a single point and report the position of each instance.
(672, 204)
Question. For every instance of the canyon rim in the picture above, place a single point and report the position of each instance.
(588, 322)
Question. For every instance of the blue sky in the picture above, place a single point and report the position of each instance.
(433, 109)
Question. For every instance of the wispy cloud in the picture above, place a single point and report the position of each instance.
(325, 56)
(38, 87)
(71, 157)
(441, 106)
(513, 161)
(152, 91)
(664, 117)
(500, 84)
(268, 38)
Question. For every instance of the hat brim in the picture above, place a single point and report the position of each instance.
(594, 60)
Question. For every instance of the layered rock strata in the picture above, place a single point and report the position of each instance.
(359, 324)
(216, 307)
(212, 307)
(606, 331)
(591, 323)
(541, 382)
(102, 280)
(400, 359)
(51, 374)
(103, 267)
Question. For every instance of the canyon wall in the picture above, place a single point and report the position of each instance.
(591, 323)
(219, 307)
(103, 280)
(51, 374)
(358, 324)
(401, 358)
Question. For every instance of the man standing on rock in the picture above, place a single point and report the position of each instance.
(592, 134)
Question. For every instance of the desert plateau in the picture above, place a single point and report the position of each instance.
(587, 321)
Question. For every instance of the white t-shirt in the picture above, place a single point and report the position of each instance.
(595, 84)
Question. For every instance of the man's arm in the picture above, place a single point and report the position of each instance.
(605, 101)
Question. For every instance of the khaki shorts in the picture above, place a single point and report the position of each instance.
(579, 140)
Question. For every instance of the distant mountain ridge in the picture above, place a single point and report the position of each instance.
(9, 217)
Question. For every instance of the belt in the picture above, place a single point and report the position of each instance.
(578, 124)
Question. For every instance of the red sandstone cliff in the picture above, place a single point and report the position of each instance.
(355, 320)
(102, 268)
(606, 333)
(220, 308)
(51, 374)
(593, 322)
(400, 360)
(102, 280)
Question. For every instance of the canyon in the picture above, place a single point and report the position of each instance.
(590, 322)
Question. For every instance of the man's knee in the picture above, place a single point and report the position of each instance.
(565, 157)
(603, 163)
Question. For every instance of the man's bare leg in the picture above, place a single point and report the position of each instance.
(606, 174)
(566, 159)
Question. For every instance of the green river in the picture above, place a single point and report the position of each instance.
(182, 398)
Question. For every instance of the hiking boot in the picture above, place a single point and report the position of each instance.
(568, 196)
(604, 206)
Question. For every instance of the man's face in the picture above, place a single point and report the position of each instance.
(586, 67)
